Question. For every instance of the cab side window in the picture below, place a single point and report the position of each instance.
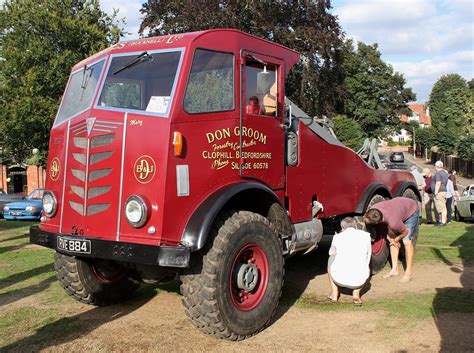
(261, 89)
(211, 83)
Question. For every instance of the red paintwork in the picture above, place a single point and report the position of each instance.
(333, 175)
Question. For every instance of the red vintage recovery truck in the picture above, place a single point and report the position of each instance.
(181, 155)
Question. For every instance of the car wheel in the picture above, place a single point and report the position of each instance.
(96, 282)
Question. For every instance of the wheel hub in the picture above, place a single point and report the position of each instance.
(247, 277)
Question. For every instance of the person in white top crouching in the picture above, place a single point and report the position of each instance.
(348, 264)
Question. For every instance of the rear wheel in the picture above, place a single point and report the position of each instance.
(95, 282)
(233, 290)
(457, 216)
(378, 234)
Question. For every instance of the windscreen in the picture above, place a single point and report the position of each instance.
(142, 82)
(80, 91)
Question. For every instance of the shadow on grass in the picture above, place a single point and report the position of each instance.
(18, 237)
(9, 225)
(17, 294)
(5, 249)
(299, 271)
(22, 276)
(70, 328)
(450, 303)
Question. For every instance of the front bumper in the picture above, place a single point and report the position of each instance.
(25, 215)
(166, 256)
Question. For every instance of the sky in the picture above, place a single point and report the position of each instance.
(422, 39)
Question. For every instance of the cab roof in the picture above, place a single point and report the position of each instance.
(214, 39)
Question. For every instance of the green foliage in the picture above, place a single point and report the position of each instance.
(465, 147)
(449, 109)
(126, 95)
(306, 26)
(210, 91)
(348, 131)
(376, 96)
(42, 40)
(426, 137)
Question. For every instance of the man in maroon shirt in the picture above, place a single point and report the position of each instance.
(401, 217)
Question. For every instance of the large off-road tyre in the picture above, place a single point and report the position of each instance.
(95, 282)
(378, 234)
(233, 288)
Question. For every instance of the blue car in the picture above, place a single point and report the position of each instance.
(28, 209)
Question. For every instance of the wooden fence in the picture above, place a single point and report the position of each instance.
(464, 168)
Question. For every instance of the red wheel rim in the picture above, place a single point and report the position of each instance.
(249, 255)
(379, 241)
(108, 274)
(378, 245)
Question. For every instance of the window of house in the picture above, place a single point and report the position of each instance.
(211, 83)
(261, 89)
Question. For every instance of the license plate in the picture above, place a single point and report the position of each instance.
(17, 213)
(77, 246)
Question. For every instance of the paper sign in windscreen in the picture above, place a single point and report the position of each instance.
(158, 104)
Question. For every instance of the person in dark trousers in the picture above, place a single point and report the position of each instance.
(401, 217)
(450, 197)
(430, 206)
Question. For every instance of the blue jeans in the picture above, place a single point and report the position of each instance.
(412, 226)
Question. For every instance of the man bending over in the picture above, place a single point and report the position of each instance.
(401, 217)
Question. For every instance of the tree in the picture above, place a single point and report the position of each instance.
(448, 102)
(305, 26)
(465, 147)
(425, 137)
(348, 131)
(41, 42)
(470, 112)
(375, 95)
(449, 108)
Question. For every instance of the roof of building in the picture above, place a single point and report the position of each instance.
(418, 108)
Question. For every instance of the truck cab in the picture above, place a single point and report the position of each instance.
(171, 151)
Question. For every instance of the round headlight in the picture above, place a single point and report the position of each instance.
(50, 204)
(6, 208)
(136, 211)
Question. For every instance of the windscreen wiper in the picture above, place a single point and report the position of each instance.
(85, 78)
(143, 57)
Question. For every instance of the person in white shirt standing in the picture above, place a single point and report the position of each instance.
(349, 260)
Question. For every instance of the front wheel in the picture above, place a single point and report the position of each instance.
(233, 290)
(95, 282)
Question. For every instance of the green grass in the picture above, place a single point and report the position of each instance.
(453, 243)
(416, 306)
(49, 316)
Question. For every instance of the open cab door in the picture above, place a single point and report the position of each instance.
(261, 131)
